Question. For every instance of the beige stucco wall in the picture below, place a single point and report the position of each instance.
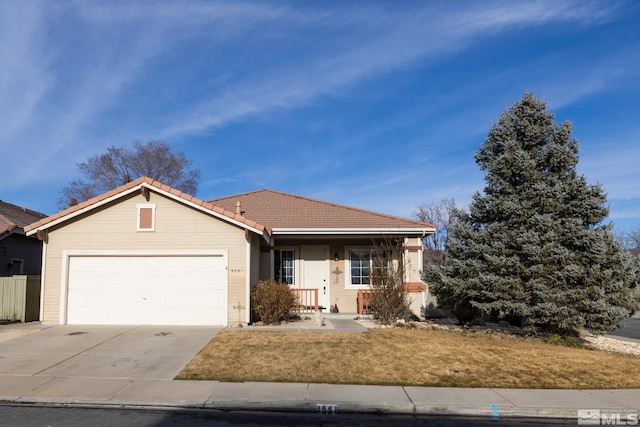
(414, 258)
(113, 227)
(344, 298)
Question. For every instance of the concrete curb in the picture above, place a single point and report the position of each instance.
(332, 398)
(319, 407)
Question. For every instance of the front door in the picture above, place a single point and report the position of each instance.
(315, 271)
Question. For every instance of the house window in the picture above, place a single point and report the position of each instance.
(146, 217)
(17, 266)
(360, 263)
(284, 266)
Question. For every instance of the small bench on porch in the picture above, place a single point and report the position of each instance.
(364, 301)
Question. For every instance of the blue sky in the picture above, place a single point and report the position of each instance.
(379, 105)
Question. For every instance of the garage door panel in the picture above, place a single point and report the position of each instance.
(153, 290)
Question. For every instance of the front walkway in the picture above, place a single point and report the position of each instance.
(331, 322)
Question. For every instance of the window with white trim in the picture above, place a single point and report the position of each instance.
(361, 261)
(146, 218)
(284, 266)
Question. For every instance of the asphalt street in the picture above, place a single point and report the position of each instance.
(630, 329)
(21, 416)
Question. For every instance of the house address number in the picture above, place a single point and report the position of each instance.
(327, 408)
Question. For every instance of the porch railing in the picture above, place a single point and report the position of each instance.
(307, 300)
(364, 301)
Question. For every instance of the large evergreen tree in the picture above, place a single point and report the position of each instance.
(533, 247)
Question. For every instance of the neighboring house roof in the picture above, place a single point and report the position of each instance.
(136, 186)
(291, 214)
(13, 219)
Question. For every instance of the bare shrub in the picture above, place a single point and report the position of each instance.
(272, 301)
(389, 300)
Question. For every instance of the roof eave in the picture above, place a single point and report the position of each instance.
(31, 231)
(10, 230)
(258, 229)
(33, 228)
(353, 231)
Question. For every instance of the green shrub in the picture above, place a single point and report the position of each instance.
(272, 301)
(563, 340)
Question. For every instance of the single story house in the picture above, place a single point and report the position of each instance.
(145, 253)
(19, 254)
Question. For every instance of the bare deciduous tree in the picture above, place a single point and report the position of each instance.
(631, 241)
(442, 215)
(119, 165)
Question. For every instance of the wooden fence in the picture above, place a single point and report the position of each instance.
(20, 298)
(307, 300)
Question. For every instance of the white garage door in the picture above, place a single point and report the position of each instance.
(147, 290)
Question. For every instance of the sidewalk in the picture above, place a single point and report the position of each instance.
(119, 392)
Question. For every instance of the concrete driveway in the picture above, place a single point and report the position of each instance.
(119, 352)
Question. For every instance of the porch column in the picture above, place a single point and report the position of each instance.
(272, 257)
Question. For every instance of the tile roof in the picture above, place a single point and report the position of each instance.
(262, 210)
(147, 182)
(15, 217)
(284, 210)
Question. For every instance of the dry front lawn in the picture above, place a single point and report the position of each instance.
(409, 357)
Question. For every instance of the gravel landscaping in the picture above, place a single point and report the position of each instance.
(601, 342)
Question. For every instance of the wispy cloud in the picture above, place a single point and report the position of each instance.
(79, 76)
(65, 65)
(614, 165)
(23, 78)
(384, 42)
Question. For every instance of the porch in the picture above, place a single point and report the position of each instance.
(331, 274)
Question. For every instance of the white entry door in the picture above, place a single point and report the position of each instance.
(315, 272)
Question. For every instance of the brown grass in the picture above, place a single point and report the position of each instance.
(409, 357)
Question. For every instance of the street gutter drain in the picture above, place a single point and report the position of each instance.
(77, 333)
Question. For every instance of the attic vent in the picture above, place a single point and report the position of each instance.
(146, 217)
